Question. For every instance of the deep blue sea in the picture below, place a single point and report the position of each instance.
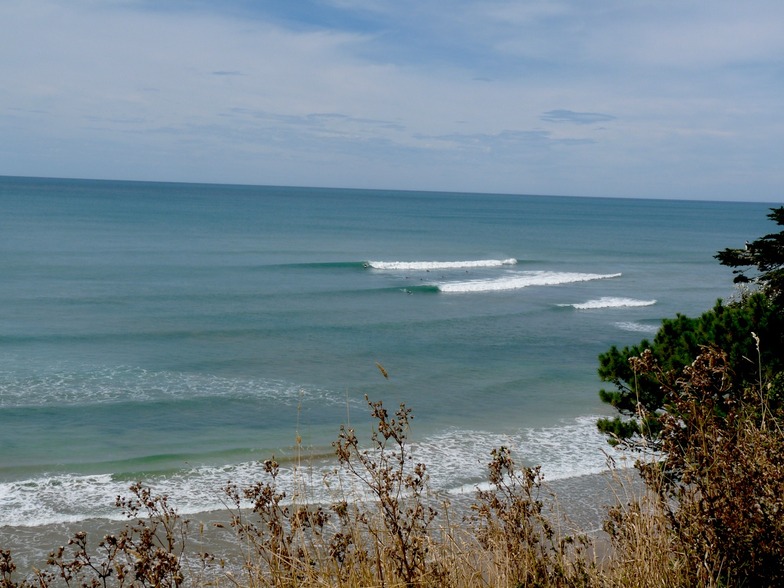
(179, 333)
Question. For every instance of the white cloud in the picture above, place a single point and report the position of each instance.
(724, 36)
(402, 96)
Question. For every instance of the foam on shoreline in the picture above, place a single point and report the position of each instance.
(455, 458)
(581, 500)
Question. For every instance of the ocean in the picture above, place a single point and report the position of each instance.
(179, 333)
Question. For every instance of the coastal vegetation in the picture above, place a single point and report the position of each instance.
(701, 410)
(750, 330)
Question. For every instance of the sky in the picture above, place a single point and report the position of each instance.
(620, 98)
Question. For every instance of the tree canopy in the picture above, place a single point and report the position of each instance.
(750, 331)
(765, 255)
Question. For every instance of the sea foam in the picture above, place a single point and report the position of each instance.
(460, 454)
(635, 327)
(522, 280)
(127, 384)
(456, 461)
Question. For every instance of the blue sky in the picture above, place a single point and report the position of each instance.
(638, 98)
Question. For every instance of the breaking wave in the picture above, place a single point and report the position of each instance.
(611, 302)
(522, 280)
(635, 327)
(439, 265)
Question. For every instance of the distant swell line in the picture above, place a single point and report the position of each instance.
(439, 265)
(523, 280)
(323, 265)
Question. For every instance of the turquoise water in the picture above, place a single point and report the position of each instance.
(178, 333)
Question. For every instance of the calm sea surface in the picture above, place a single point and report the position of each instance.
(178, 333)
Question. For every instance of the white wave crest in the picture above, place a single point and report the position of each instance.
(439, 265)
(523, 280)
(611, 302)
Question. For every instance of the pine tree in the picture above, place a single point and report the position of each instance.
(766, 255)
(750, 331)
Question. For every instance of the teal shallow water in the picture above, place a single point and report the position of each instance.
(177, 333)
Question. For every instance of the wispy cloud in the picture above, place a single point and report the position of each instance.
(504, 142)
(580, 118)
(379, 94)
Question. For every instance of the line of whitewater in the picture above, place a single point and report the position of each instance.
(456, 460)
(523, 280)
(610, 302)
(439, 265)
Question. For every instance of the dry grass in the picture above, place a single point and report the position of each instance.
(709, 514)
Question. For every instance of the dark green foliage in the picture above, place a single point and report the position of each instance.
(730, 327)
(765, 255)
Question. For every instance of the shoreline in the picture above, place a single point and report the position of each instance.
(579, 504)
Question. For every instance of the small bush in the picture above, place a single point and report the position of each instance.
(720, 480)
(512, 525)
(710, 514)
(146, 553)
